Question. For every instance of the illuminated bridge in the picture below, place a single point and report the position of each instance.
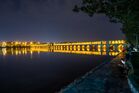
(111, 48)
(96, 47)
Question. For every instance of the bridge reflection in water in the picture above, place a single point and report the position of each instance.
(111, 48)
(75, 50)
(96, 51)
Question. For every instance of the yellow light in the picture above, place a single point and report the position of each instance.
(16, 52)
(109, 42)
(4, 51)
(70, 47)
(16, 42)
(4, 44)
(116, 42)
(104, 47)
(31, 43)
(74, 47)
(83, 48)
(88, 47)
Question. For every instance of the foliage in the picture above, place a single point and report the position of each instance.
(123, 11)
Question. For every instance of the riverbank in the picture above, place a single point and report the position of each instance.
(133, 77)
(106, 78)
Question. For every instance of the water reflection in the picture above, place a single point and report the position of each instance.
(15, 51)
(87, 50)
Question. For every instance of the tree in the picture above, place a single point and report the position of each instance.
(123, 11)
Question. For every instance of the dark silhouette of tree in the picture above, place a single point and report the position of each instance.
(121, 11)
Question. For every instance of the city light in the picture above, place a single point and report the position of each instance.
(90, 48)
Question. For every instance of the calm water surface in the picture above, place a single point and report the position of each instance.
(43, 72)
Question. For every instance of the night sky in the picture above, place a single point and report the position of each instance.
(52, 21)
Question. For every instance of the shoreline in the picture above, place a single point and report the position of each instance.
(100, 80)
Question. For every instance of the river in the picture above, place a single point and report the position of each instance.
(26, 71)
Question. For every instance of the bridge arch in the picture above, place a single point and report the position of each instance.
(112, 47)
(120, 47)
